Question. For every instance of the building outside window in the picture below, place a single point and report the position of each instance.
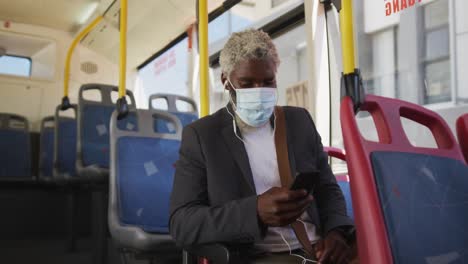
(417, 54)
(436, 60)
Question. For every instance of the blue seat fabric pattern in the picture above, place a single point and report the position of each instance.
(47, 152)
(345, 188)
(424, 200)
(185, 118)
(15, 153)
(145, 173)
(95, 137)
(162, 125)
(66, 151)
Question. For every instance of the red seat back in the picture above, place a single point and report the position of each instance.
(374, 245)
(462, 132)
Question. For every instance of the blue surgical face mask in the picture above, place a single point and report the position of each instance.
(254, 106)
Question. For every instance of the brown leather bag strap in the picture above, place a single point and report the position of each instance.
(301, 235)
(284, 169)
(282, 154)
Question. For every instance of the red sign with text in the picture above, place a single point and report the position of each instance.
(395, 6)
(165, 62)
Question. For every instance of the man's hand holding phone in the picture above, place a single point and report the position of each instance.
(280, 206)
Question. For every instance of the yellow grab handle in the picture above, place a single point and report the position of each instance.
(123, 48)
(78, 38)
(203, 46)
(347, 36)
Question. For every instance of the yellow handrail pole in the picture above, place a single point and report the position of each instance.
(347, 36)
(78, 38)
(203, 47)
(123, 48)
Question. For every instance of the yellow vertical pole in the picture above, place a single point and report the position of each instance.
(203, 47)
(347, 36)
(78, 38)
(123, 48)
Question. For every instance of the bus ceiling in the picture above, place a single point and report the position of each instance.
(144, 16)
(147, 16)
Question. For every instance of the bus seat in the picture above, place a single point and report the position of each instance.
(141, 178)
(462, 132)
(93, 131)
(15, 147)
(342, 178)
(185, 116)
(46, 154)
(409, 202)
(65, 145)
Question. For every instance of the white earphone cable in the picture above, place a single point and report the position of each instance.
(304, 260)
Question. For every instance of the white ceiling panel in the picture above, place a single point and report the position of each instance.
(64, 15)
(102, 37)
(21, 45)
(151, 26)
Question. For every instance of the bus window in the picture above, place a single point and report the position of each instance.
(160, 103)
(243, 15)
(167, 73)
(14, 65)
(292, 72)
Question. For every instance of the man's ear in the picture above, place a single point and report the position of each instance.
(225, 81)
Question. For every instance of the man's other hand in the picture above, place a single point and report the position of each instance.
(281, 206)
(333, 249)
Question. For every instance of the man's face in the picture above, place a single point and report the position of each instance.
(252, 73)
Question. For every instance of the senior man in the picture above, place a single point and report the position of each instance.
(227, 186)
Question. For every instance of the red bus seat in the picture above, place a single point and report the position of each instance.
(462, 132)
(410, 203)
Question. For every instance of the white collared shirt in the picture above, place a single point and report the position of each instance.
(260, 146)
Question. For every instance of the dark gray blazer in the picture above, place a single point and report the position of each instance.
(214, 197)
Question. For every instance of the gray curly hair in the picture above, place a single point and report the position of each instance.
(247, 44)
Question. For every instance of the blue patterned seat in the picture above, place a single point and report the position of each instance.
(142, 171)
(146, 168)
(65, 145)
(46, 154)
(95, 136)
(345, 188)
(93, 127)
(185, 116)
(423, 198)
(15, 147)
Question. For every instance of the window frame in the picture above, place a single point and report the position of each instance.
(424, 61)
(20, 57)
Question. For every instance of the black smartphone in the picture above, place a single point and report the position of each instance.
(306, 181)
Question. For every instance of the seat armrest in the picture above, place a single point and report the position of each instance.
(335, 153)
(218, 253)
